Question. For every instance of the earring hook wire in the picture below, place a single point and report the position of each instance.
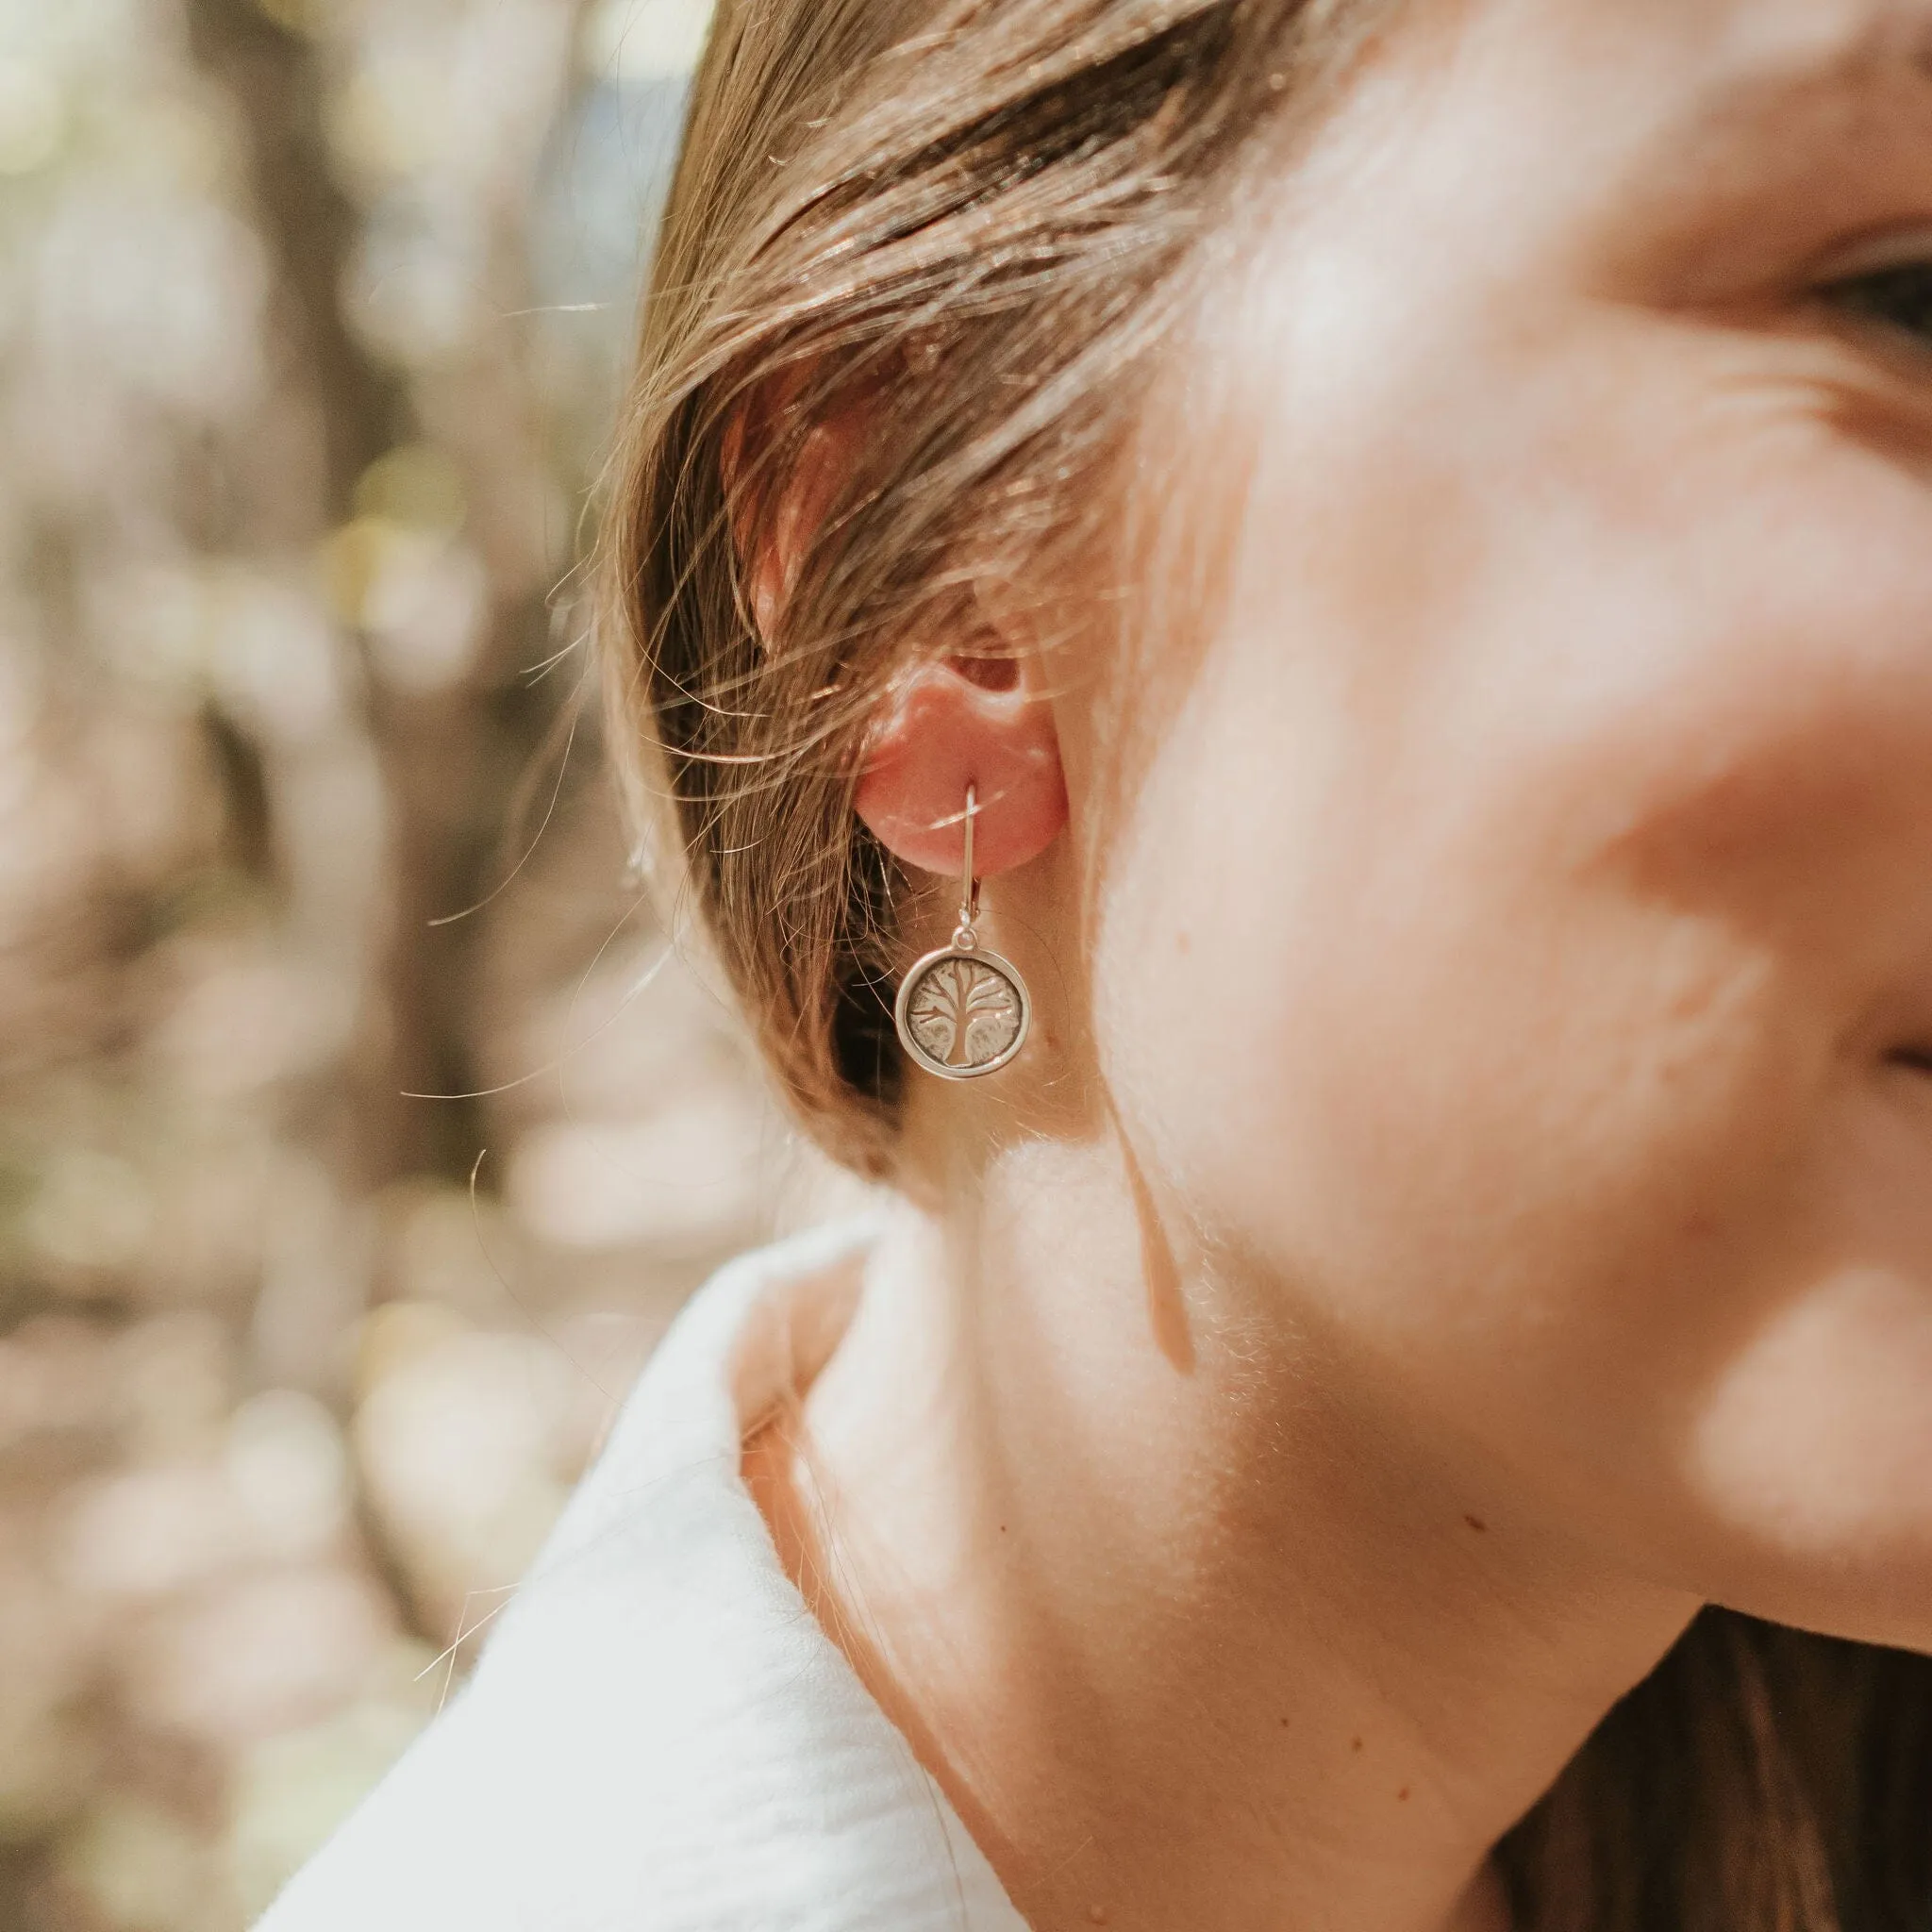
(969, 883)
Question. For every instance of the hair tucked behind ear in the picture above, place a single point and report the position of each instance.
(967, 222)
(973, 223)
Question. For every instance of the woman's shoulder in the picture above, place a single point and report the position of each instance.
(659, 1735)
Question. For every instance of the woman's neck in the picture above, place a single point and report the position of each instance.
(1192, 1630)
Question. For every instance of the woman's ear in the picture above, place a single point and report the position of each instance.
(957, 723)
(978, 723)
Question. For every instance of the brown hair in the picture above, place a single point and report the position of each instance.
(968, 219)
(969, 216)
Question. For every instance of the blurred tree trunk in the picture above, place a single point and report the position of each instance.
(440, 754)
(275, 81)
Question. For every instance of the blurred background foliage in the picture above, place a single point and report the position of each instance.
(313, 319)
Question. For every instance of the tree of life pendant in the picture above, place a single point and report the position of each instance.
(962, 1011)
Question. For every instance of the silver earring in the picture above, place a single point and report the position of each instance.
(962, 1011)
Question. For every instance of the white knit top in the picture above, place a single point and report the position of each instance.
(659, 1737)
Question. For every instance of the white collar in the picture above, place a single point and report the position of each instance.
(660, 1737)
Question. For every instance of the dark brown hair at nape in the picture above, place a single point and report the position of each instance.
(976, 222)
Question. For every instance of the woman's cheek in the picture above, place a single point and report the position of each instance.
(1405, 1045)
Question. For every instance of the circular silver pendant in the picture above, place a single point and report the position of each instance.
(963, 1012)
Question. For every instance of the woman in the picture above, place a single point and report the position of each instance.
(1404, 536)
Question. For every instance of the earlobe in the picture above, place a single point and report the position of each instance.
(946, 732)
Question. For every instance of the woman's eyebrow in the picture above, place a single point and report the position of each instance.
(1820, 108)
(1868, 45)
(1860, 74)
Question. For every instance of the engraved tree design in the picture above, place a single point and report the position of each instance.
(964, 1013)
